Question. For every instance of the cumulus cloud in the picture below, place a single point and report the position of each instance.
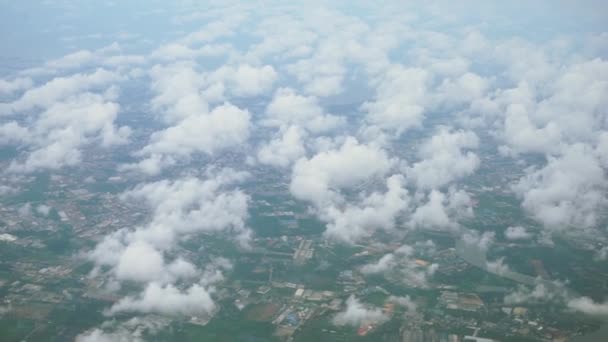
(225, 126)
(356, 313)
(445, 157)
(376, 211)
(131, 330)
(9, 87)
(497, 266)
(59, 88)
(482, 241)
(289, 108)
(180, 208)
(405, 302)
(568, 191)
(283, 150)
(400, 266)
(245, 80)
(320, 178)
(168, 300)
(442, 211)
(587, 306)
(386, 262)
(517, 233)
(59, 133)
(400, 100)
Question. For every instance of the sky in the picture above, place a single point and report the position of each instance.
(530, 78)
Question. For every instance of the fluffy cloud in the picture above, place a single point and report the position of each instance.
(376, 211)
(385, 263)
(284, 149)
(587, 306)
(289, 108)
(405, 302)
(568, 191)
(320, 178)
(401, 97)
(245, 80)
(517, 233)
(442, 211)
(168, 300)
(482, 241)
(445, 158)
(225, 126)
(401, 267)
(20, 83)
(497, 266)
(179, 208)
(58, 134)
(131, 330)
(58, 89)
(357, 313)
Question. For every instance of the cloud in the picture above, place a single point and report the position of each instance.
(58, 89)
(385, 263)
(98, 335)
(289, 108)
(283, 150)
(57, 135)
(356, 313)
(17, 84)
(131, 330)
(446, 157)
(177, 51)
(225, 126)
(373, 212)
(401, 96)
(482, 241)
(401, 267)
(320, 178)
(587, 306)
(568, 191)
(498, 266)
(442, 211)
(245, 80)
(180, 208)
(168, 300)
(517, 233)
(405, 302)
(542, 291)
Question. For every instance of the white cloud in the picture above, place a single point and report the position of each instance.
(401, 99)
(168, 300)
(405, 302)
(284, 149)
(58, 134)
(20, 83)
(517, 233)
(58, 89)
(320, 178)
(376, 211)
(225, 126)
(445, 157)
(385, 263)
(177, 51)
(441, 210)
(497, 266)
(586, 305)
(245, 80)
(482, 241)
(180, 208)
(289, 108)
(568, 191)
(357, 313)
